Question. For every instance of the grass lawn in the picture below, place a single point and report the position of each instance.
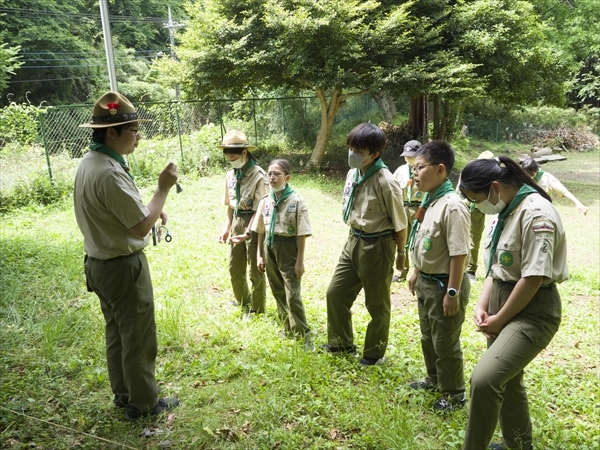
(240, 385)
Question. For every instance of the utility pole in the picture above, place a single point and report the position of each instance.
(108, 47)
(171, 26)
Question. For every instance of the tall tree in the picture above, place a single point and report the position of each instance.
(336, 49)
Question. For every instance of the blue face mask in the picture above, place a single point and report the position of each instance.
(355, 160)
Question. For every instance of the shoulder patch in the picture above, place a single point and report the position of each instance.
(543, 226)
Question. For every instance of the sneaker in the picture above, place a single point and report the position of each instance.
(164, 404)
(471, 276)
(424, 385)
(445, 405)
(308, 345)
(367, 361)
(396, 279)
(121, 401)
(331, 349)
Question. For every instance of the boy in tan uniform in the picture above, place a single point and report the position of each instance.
(439, 247)
(372, 207)
(245, 184)
(411, 196)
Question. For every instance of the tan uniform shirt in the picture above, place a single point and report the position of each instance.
(292, 217)
(254, 187)
(533, 243)
(107, 204)
(550, 184)
(403, 176)
(444, 232)
(377, 203)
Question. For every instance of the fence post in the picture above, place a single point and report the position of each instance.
(220, 118)
(497, 129)
(179, 130)
(43, 130)
(254, 116)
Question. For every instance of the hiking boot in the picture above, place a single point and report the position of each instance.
(445, 405)
(368, 361)
(164, 404)
(471, 276)
(121, 401)
(424, 385)
(331, 349)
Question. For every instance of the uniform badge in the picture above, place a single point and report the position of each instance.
(506, 259)
(112, 108)
(292, 207)
(427, 244)
(543, 226)
(418, 194)
(267, 211)
(249, 202)
(291, 229)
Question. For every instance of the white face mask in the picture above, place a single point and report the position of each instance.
(486, 207)
(278, 188)
(355, 160)
(238, 163)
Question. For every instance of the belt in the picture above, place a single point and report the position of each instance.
(412, 203)
(513, 283)
(244, 212)
(116, 257)
(439, 278)
(364, 235)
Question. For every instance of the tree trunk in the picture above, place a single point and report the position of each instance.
(417, 118)
(328, 113)
(445, 121)
(437, 129)
(386, 103)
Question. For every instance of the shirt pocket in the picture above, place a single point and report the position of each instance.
(508, 257)
(431, 238)
(288, 219)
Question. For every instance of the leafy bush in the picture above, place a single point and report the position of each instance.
(19, 123)
(37, 191)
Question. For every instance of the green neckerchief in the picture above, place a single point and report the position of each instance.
(521, 194)
(239, 174)
(410, 185)
(285, 194)
(538, 175)
(445, 188)
(101, 148)
(378, 164)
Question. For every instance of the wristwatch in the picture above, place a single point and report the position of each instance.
(452, 292)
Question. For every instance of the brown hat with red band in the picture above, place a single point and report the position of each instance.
(112, 109)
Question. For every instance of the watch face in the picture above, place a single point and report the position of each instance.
(452, 292)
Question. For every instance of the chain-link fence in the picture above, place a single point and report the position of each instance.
(61, 142)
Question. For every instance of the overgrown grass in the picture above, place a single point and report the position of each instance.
(240, 385)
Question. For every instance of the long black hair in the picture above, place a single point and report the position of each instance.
(478, 175)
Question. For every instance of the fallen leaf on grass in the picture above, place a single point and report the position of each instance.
(165, 444)
(170, 419)
(333, 434)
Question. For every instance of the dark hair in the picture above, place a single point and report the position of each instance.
(438, 152)
(284, 164)
(478, 175)
(99, 134)
(530, 166)
(237, 151)
(367, 136)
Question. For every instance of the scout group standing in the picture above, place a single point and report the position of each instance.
(266, 227)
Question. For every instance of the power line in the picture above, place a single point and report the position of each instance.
(84, 53)
(39, 12)
(50, 79)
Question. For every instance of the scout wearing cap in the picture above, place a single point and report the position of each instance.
(115, 224)
(411, 196)
(245, 184)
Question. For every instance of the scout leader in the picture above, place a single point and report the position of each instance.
(283, 218)
(245, 184)
(372, 207)
(115, 224)
(439, 243)
(411, 196)
(519, 308)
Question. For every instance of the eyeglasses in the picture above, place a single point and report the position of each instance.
(274, 174)
(135, 131)
(417, 169)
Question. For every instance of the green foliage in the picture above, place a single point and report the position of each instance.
(19, 123)
(38, 191)
(9, 62)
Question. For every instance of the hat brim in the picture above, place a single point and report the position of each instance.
(108, 125)
(409, 153)
(237, 147)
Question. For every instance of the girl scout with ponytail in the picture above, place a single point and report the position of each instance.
(439, 244)
(372, 207)
(245, 184)
(283, 218)
(519, 309)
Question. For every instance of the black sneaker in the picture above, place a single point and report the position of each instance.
(500, 446)
(445, 405)
(424, 385)
(121, 401)
(331, 349)
(164, 404)
(367, 361)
